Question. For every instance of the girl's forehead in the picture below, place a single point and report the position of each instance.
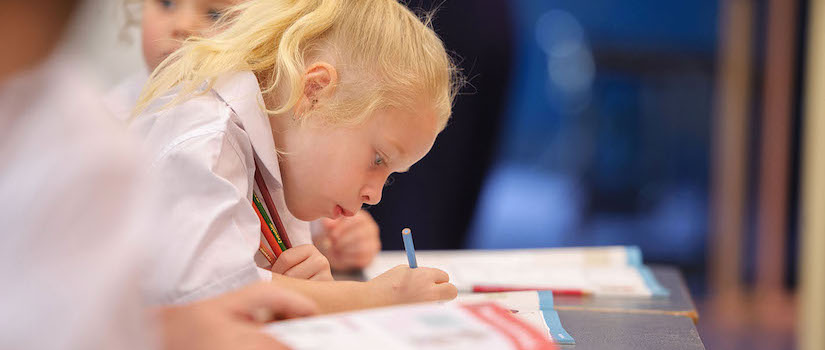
(412, 132)
(419, 119)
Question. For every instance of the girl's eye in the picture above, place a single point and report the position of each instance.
(167, 4)
(378, 159)
(214, 15)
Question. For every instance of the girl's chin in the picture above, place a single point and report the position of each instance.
(307, 217)
(303, 214)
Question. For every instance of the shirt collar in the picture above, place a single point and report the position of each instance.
(242, 93)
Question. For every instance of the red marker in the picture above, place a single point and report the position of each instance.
(480, 288)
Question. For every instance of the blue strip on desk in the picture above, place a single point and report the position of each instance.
(560, 336)
(545, 300)
(634, 255)
(655, 288)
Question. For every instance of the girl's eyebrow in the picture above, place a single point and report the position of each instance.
(397, 146)
(401, 152)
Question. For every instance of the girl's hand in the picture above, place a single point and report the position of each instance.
(350, 242)
(403, 285)
(303, 261)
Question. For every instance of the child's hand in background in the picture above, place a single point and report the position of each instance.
(403, 285)
(349, 242)
(303, 261)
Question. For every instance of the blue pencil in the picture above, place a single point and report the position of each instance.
(406, 234)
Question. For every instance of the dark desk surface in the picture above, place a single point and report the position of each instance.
(678, 302)
(617, 331)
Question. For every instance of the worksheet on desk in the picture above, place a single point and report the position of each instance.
(430, 326)
(601, 271)
(532, 307)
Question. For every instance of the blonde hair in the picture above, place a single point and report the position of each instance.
(385, 56)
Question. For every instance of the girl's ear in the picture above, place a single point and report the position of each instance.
(320, 80)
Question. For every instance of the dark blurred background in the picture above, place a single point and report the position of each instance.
(629, 122)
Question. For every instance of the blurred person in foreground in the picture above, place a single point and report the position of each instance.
(74, 253)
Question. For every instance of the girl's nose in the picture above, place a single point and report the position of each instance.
(371, 195)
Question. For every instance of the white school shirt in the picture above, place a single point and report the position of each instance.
(75, 236)
(204, 152)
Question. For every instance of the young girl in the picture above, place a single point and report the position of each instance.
(314, 103)
(349, 242)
